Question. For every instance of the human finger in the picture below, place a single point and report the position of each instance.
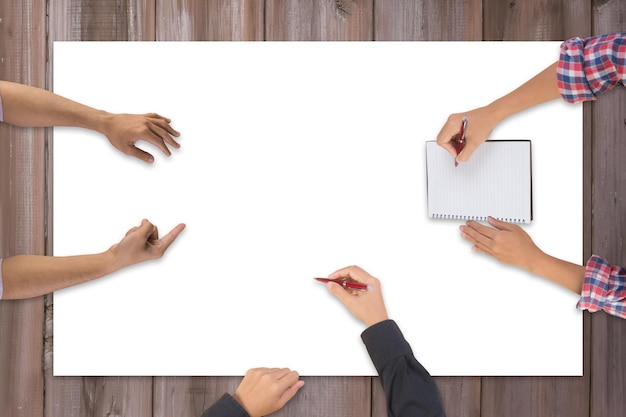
(146, 229)
(287, 378)
(290, 392)
(169, 238)
(474, 236)
(354, 272)
(467, 151)
(134, 151)
(163, 134)
(155, 140)
(484, 230)
(448, 133)
(338, 291)
(498, 224)
(164, 123)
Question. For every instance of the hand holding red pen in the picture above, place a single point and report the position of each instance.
(480, 123)
(367, 306)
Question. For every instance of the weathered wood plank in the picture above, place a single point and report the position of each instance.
(320, 396)
(120, 20)
(537, 20)
(608, 348)
(325, 20)
(209, 20)
(112, 396)
(92, 20)
(22, 230)
(409, 20)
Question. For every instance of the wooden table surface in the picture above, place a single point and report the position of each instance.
(28, 29)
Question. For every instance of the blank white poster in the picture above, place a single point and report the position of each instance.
(298, 159)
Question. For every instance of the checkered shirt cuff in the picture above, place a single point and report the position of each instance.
(604, 288)
(591, 66)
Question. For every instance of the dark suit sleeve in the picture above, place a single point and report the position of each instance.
(226, 406)
(409, 389)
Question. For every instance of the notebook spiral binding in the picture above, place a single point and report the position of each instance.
(475, 218)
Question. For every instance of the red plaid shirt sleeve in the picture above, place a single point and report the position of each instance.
(591, 66)
(604, 288)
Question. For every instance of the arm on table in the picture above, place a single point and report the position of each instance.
(27, 276)
(34, 107)
(409, 388)
(261, 392)
(510, 244)
(481, 121)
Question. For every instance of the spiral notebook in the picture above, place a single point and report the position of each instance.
(496, 182)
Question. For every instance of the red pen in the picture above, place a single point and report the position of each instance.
(461, 139)
(346, 284)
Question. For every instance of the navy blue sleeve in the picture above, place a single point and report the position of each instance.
(226, 406)
(409, 389)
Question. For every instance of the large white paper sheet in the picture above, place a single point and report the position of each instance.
(298, 159)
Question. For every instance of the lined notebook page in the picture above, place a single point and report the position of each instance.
(495, 182)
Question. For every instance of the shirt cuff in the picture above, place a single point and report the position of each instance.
(226, 406)
(570, 72)
(384, 342)
(604, 288)
(589, 67)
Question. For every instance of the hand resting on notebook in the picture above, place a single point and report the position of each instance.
(510, 244)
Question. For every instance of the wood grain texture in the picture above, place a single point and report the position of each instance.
(435, 20)
(320, 396)
(112, 396)
(22, 46)
(323, 20)
(22, 212)
(93, 20)
(608, 358)
(536, 20)
(209, 20)
(90, 20)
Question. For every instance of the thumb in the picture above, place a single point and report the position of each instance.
(467, 152)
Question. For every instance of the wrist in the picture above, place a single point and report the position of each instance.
(102, 122)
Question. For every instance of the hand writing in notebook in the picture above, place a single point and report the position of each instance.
(604, 285)
(479, 126)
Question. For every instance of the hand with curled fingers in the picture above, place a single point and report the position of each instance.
(125, 130)
(266, 390)
(506, 242)
(142, 243)
(480, 123)
(367, 306)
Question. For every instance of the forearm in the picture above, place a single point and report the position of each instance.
(541, 88)
(30, 106)
(27, 276)
(566, 274)
(409, 388)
